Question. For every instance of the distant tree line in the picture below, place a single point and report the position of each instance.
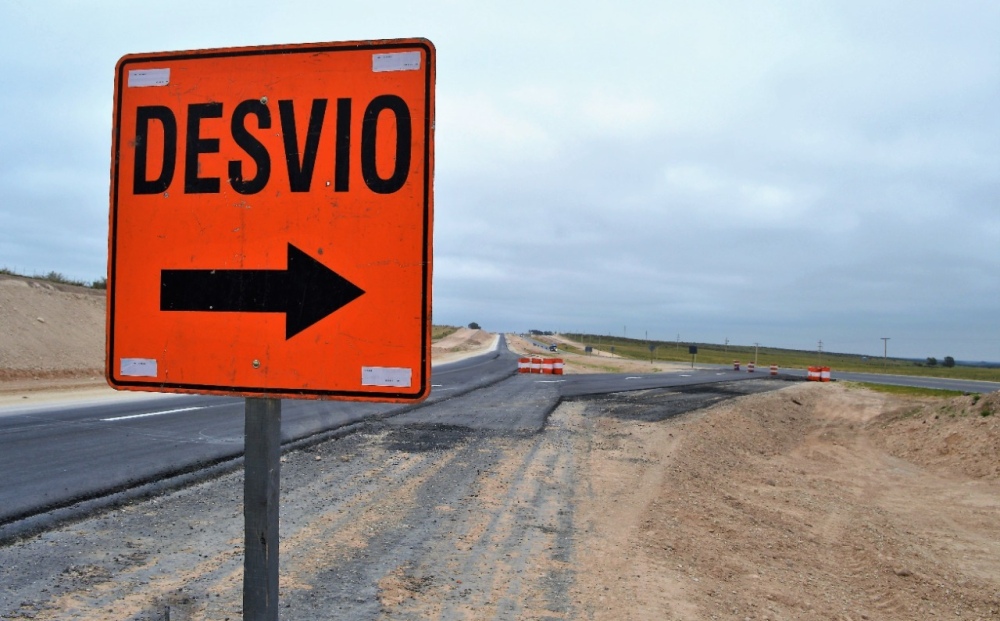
(933, 362)
(541, 332)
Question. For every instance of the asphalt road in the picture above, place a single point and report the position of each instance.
(57, 456)
(971, 386)
(463, 509)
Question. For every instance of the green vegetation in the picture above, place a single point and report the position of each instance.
(439, 332)
(909, 391)
(59, 279)
(709, 353)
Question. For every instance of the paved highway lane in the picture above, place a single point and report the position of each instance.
(941, 383)
(56, 456)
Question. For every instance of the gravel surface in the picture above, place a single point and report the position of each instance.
(784, 504)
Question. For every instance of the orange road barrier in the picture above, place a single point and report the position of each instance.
(523, 365)
(548, 364)
(813, 374)
(824, 374)
(736, 365)
(774, 369)
(751, 367)
(557, 366)
(536, 365)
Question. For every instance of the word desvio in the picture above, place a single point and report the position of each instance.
(300, 162)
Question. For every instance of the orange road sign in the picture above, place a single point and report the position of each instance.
(271, 221)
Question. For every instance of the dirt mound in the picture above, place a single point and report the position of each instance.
(960, 436)
(786, 506)
(463, 339)
(50, 331)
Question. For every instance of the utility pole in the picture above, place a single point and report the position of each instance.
(727, 344)
(819, 351)
(755, 346)
(885, 351)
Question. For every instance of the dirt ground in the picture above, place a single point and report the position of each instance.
(50, 332)
(814, 502)
(462, 342)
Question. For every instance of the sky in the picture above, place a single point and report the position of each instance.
(775, 172)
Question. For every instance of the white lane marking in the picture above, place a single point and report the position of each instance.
(549, 381)
(131, 416)
(634, 377)
(685, 375)
(436, 385)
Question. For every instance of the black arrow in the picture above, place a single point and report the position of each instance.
(306, 291)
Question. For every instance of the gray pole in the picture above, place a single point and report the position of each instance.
(885, 351)
(262, 474)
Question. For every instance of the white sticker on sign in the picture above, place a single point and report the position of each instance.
(148, 77)
(138, 367)
(398, 61)
(386, 376)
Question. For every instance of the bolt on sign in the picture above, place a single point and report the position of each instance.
(271, 221)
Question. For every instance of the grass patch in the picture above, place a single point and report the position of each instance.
(59, 279)
(439, 332)
(908, 391)
(708, 353)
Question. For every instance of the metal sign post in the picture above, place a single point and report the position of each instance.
(261, 483)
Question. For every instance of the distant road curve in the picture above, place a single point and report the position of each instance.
(909, 380)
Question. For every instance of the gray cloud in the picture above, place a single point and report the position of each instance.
(778, 173)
